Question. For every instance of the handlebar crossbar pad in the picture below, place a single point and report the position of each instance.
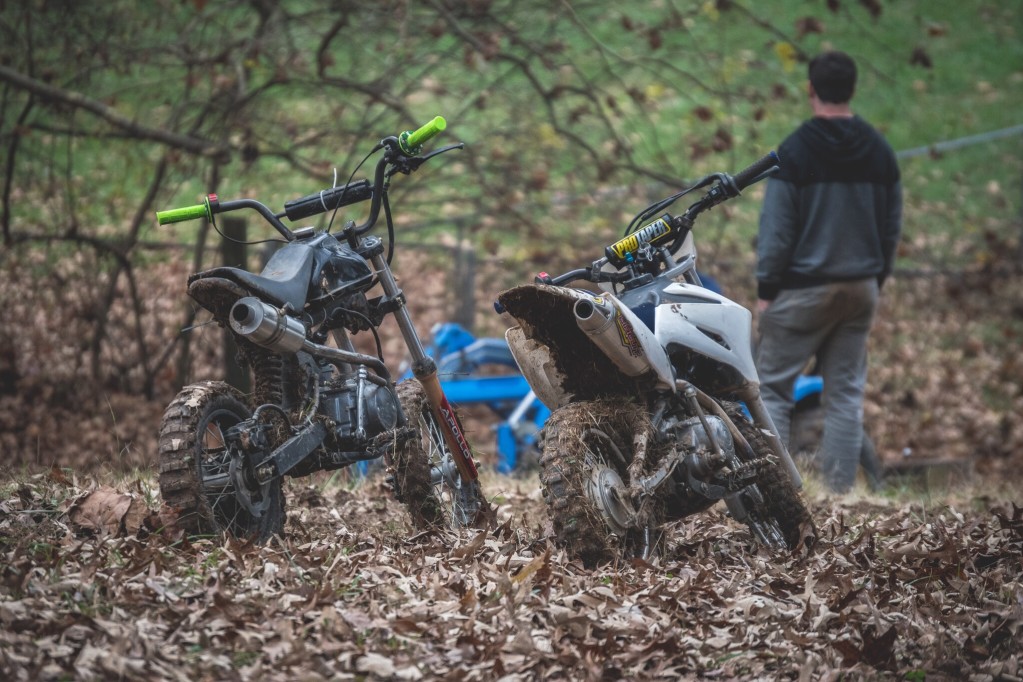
(328, 200)
(752, 173)
(178, 215)
(410, 143)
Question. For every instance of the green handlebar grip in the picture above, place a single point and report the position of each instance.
(411, 142)
(177, 215)
(429, 130)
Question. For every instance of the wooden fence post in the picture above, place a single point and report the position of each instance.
(1019, 243)
(465, 283)
(234, 254)
(464, 276)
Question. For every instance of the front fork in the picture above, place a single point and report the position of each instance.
(425, 371)
(762, 418)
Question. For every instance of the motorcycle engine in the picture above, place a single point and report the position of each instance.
(693, 437)
(378, 409)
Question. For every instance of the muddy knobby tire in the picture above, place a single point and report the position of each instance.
(413, 460)
(198, 414)
(783, 503)
(577, 521)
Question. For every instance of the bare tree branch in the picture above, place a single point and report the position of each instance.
(12, 151)
(190, 144)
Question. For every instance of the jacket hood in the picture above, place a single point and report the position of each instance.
(844, 140)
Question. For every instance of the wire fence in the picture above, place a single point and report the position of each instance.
(959, 143)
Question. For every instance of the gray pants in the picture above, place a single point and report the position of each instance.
(831, 321)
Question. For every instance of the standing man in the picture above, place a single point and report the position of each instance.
(828, 229)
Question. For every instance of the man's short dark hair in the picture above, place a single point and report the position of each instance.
(833, 76)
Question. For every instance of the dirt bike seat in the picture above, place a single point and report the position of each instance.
(284, 281)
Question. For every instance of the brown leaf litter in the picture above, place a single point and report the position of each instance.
(893, 590)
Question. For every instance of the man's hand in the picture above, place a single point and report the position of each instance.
(762, 305)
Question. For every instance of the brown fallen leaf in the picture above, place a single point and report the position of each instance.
(469, 548)
(105, 510)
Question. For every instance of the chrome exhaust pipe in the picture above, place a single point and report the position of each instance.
(265, 326)
(613, 334)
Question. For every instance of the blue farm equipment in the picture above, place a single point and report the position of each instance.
(461, 360)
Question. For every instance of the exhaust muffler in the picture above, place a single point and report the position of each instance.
(264, 325)
(614, 335)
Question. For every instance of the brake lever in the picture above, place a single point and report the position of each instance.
(441, 150)
(407, 164)
(722, 191)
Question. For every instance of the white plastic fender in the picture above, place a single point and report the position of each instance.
(687, 324)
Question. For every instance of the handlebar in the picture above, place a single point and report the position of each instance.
(328, 199)
(570, 276)
(400, 155)
(752, 173)
(667, 232)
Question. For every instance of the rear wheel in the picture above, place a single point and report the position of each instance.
(425, 477)
(776, 513)
(199, 476)
(585, 452)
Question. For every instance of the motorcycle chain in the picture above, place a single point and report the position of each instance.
(745, 473)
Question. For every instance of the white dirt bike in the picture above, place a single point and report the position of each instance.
(655, 399)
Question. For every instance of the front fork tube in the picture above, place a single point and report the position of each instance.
(762, 418)
(425, 370)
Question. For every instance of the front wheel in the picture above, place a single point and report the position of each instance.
(776, 513)
(425, 478)
(585, 452)
(199, 475)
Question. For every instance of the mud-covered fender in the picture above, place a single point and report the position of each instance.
(562, 362)
(541, 371)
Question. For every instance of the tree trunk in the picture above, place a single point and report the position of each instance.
(234, 254)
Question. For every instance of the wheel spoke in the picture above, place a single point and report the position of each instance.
(214, 437)
(431, 484)
(200, 478)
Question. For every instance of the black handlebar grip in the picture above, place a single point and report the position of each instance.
(752, 173)
(328, 200)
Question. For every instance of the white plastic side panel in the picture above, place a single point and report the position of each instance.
(681, 323)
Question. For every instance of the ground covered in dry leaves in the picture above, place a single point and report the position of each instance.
(94, 583)
(898, 588)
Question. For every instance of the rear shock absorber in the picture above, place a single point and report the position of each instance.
(268, 373)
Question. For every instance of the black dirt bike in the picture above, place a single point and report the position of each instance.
(315, 406)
